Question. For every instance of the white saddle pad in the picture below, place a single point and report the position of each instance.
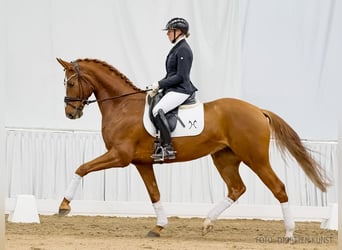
(191, 115)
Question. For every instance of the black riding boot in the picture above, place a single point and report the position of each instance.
(165, 151)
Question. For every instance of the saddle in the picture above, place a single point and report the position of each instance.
(171, 116)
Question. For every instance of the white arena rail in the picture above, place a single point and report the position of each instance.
(40, 162)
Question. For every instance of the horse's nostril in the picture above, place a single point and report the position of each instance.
(70, 116)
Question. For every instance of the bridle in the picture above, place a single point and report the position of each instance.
(70, 100)
(81, 99)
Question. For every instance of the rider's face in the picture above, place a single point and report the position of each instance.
(172, 34)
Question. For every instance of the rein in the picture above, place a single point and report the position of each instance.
(87, 102)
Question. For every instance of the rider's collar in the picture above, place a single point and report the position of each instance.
(179, 39)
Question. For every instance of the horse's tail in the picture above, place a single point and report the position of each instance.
(288, 140)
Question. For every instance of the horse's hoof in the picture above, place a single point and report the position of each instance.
(64, 208)
(207, 227)
(63, 212)
(289, 238)
(153, 234)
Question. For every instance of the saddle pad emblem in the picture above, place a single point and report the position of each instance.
(191, 115)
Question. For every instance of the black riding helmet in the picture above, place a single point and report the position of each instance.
(178, 23)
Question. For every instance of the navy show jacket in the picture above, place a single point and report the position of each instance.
(178, 66)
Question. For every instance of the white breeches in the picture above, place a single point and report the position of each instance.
(169, 101)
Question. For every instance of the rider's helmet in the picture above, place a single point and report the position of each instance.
(178, 23)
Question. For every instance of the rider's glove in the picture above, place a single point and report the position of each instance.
(152, 89)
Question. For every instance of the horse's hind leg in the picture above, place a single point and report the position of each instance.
(227, 164)
(147, 174)
(270, 179)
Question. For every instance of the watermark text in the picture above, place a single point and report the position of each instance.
(299, 239)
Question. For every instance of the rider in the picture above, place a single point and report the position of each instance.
(176, 85)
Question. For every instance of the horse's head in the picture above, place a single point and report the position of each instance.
(78, 89)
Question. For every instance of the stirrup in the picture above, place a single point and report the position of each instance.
(163, 153)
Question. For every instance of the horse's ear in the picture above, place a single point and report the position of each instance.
(65, 64)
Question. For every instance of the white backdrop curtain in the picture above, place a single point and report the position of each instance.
(291, 52)
(2, 130)
(280, 55)
(42, 163)
(126, 34)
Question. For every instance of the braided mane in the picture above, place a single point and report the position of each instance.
(112, 69)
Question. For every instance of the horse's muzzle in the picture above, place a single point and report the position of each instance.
(74, 115)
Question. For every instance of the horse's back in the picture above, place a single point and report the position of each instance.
(233, 106)
(237, 119)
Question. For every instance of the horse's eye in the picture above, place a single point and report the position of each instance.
(70, 84)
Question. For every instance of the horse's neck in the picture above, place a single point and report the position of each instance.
(108, 84)
(110, 92)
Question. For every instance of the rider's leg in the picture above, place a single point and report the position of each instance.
(166, 152)
(169, 101)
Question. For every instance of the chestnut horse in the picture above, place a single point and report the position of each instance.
(234, 132)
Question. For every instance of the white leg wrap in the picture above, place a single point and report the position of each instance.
(288, 219)
(71, 190)
(219, 208)
(160, 212)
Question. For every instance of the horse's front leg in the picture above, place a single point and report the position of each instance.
(108, 160)
(147, 174)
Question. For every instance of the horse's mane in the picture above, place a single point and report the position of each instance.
(112, 69)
